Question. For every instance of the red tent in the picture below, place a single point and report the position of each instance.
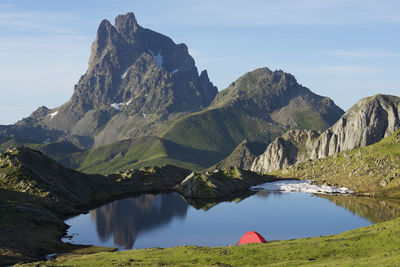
(252, 237)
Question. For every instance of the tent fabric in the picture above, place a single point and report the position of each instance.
(252, 237)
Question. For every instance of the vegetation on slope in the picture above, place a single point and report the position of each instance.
(56, 151)
(375, 245)
(37, 194)
(258, 107)
(139, 152)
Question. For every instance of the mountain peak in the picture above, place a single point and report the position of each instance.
(126, 24)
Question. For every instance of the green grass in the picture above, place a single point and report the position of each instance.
(221, 130)
(140, 152)
(375, 245)
(57, 150)
(310, 120)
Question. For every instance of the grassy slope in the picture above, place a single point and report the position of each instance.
(373, 169)
(37, 194)
(56, 150)
(196, 142)
(139, 152)
(220, 129)
(375, 245)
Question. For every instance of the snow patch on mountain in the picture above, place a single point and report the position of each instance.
(158, 59)
(118, 106)
(123, 76)
(53, 114)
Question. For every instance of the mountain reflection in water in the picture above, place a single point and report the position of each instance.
(125, 219)
(374, 209)
(170, 220)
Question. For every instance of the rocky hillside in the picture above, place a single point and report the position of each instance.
(244, 113)
(367, 122)
(47, 182)
(373, 170)
(137, 80)
(258, 107)
(37, 193)
(220, 183)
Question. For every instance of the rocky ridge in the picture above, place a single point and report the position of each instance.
(259, 106)
(366, 123)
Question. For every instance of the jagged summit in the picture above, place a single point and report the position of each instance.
(126, 24)
(119, 49)
(136, 79)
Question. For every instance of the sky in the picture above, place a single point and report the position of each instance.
(343, 49)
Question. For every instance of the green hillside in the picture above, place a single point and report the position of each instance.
(260, 106)
(57, 150)
(139, 152)
(222, 129)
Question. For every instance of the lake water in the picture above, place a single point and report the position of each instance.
(167, 220)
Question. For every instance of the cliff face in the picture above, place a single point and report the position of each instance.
(286, 150)
(366, 123)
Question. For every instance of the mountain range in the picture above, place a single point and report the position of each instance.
(142, 102)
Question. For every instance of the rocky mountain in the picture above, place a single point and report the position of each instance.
(259, 106)
(140, 84)
(366, 123)
(372, 170)
(137, 80)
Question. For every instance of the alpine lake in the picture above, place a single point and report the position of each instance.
(167, 220)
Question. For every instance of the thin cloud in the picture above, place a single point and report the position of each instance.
(290, 12)
(50, 22)
(362, 54)
(351, 70)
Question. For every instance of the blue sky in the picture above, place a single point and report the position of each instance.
(342, 49)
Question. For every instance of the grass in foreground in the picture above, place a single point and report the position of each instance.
(375, 245)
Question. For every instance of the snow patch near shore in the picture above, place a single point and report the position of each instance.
(301, 186)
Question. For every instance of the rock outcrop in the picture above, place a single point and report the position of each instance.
(220, 183)
(366, 123)
(286, 150)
